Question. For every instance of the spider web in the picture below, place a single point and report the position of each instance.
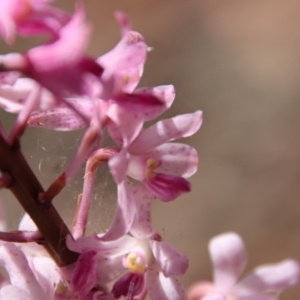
(48, 154)
(53, 153)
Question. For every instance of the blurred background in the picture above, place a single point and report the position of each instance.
(239, 62)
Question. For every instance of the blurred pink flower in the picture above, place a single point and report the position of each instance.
(30, 17)
(228, 256)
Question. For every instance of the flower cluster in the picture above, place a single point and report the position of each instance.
(57, 86)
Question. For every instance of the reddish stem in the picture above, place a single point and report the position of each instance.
(84, 203)
(20, 236)
(26, 189)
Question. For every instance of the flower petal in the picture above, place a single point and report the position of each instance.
(105, 248)
(118, 165)
(141, 226)
(110, 254)
(13, 97)
(228, 256)
(47, 274)
(167, 187)
(114, 132)
(19, 271)
(59, 118)
(166, 95)
(214, 297)
(140, 103)
(167, 130)
(57, 54)
(124, 214)
(123, 22)
(175, 159)
(85, 273)
(129, 123)
(259, 297)
(201, 289)
(170, 260)
(270, 278)
(162, 288)
(13, 293)
(123, 65)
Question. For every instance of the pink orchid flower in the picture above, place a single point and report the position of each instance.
(148, 157)
(228, 256)
(144, 262)
(123, 68)
(124, 64)
(61, 70)
(42, 279)
(30, 17)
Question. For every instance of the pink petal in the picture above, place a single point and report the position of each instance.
(114, 132)
(13, 293)
(13, 97)
(43, 20)
(57, 54)
(123, 21)
(60, 118)
(171, 261)
(200, 289)
(167, 130)
(228, 256)
(140, 103)
(110, 254)
(63, 71)
(166, 95)
(113, 248)
(47, 274)
(113, 268)
(19, 271)
(270, 278)
(214, 297)
(162, 288)
(118, 165)
(259, 297)
(11, 10)
(129, 284)
(167, 187)
(85, 273)
(175, 159)
(141, 226)
(129, 123)
(124, 214)
(124, 64)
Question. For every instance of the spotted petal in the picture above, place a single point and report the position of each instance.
(175, 159)
(163, 288)
(141, 227)
(167, 130)
(171, 261)
(19, 271)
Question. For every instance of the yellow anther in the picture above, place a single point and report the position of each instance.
(61, 288)
(152, 164)
(134, 263)
(126, 79)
